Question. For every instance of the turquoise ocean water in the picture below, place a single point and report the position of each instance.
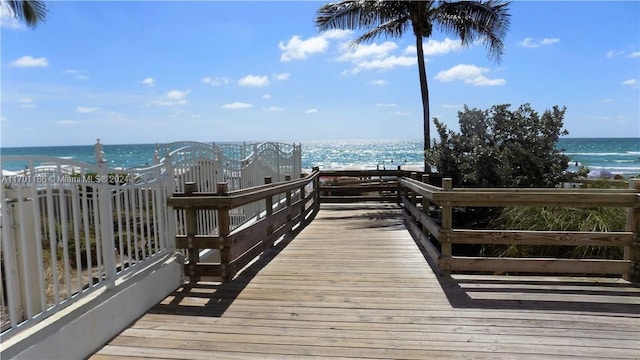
(617, 155)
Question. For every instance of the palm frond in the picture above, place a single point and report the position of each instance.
(393, 28)
(347, 15)
(487, 21)
(30, 11)
(389, 18)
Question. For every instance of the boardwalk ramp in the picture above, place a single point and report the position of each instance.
(354, 284)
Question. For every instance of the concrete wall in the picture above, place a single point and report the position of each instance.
(81, 329)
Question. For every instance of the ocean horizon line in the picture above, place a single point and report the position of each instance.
(346, 140)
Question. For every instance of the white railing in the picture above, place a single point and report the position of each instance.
(239, 165)
(69, 228)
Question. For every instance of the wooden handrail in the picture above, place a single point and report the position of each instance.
(232, 199)
(490, 197)
(360, 186)
(446, 236)
(240, 246)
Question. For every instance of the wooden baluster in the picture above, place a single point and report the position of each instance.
(288, 199)
(632, 252)
(193, 253)
(303, 195)
(316, 190)
(425, 202)
(447, 224)
(268, 203)
(224, 221)
(414, 195)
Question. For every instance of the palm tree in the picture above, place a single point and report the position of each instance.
(30, 11)
(487, 21)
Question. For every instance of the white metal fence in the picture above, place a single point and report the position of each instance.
(69, 228)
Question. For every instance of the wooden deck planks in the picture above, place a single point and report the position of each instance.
(354, 285)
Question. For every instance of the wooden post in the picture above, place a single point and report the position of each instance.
(425, 202)
(288, 199)
(447, 224)
(632, 252)
(316, 189)
(414, 195)
(303, 195)
(268, 203)
(222, 188)
(399, 191)
(193, 254)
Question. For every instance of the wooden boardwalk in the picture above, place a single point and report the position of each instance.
(355, 285)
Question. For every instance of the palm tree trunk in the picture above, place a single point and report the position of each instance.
(424, 91)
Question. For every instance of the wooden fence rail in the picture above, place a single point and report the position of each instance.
(438, 235)
(240, 246)
(348, 186)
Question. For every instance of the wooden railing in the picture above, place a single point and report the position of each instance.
(347, 186)
(425, 228)
(239, 247)
(300, 201)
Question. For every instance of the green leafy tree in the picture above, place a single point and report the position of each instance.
(502, 148)
(31, 12)
(487, 21)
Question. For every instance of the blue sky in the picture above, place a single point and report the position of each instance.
(148, 72)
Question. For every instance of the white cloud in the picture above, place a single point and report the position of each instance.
(7, 20)
(173, 98)
(379, 82)
(385, 105)
(275, 108)
(148, 81)
(296, 48)
(177, 94)
(28, 61)
(283, 76)
(383, 64)
(451, 106)
(374, 57)
(266, 96)
(254, 80)
(606, 101)
(27, 103)
(237, 105)
(470, 74)
(336, 34)
(401, 113)
(311, 111)
(217, 81)
(435, 47)
(87, 110)
(549, 41)
(634, 54)
(631, 82)
(612, 54)
(78, 74)
(67, 122)
(531, 43)
(362, 52)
